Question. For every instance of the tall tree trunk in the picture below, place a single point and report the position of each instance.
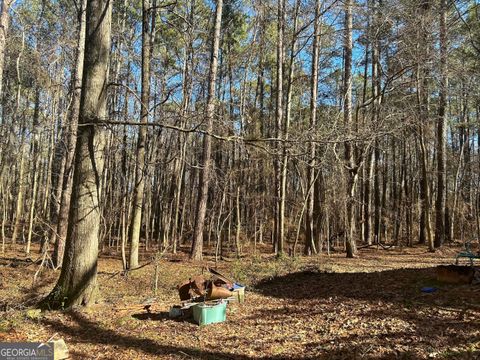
(441, 131)
(375, 119)
(178, 177)
(279, 232)
(35, 155)
(78, 278)
(71, 140)
(423, 114)
(201, 208)
(288, 115)
(20, 194)
(140, 170)
(310, 228)
(350, 161)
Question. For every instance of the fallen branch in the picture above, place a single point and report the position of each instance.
(149, 307)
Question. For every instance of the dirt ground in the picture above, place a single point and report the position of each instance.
(324, 307)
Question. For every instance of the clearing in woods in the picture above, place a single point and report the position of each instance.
(321, 307)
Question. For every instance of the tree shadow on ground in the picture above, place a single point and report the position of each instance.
(92, 333)
(399, 285)
(88, 331)
(155, 316)
(162, 316)
(448, 316)
(323, 298)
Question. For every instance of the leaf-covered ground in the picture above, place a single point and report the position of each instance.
(322, 307)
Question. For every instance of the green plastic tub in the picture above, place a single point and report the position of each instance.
(210, 313)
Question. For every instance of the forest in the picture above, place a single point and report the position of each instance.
(325, 153)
